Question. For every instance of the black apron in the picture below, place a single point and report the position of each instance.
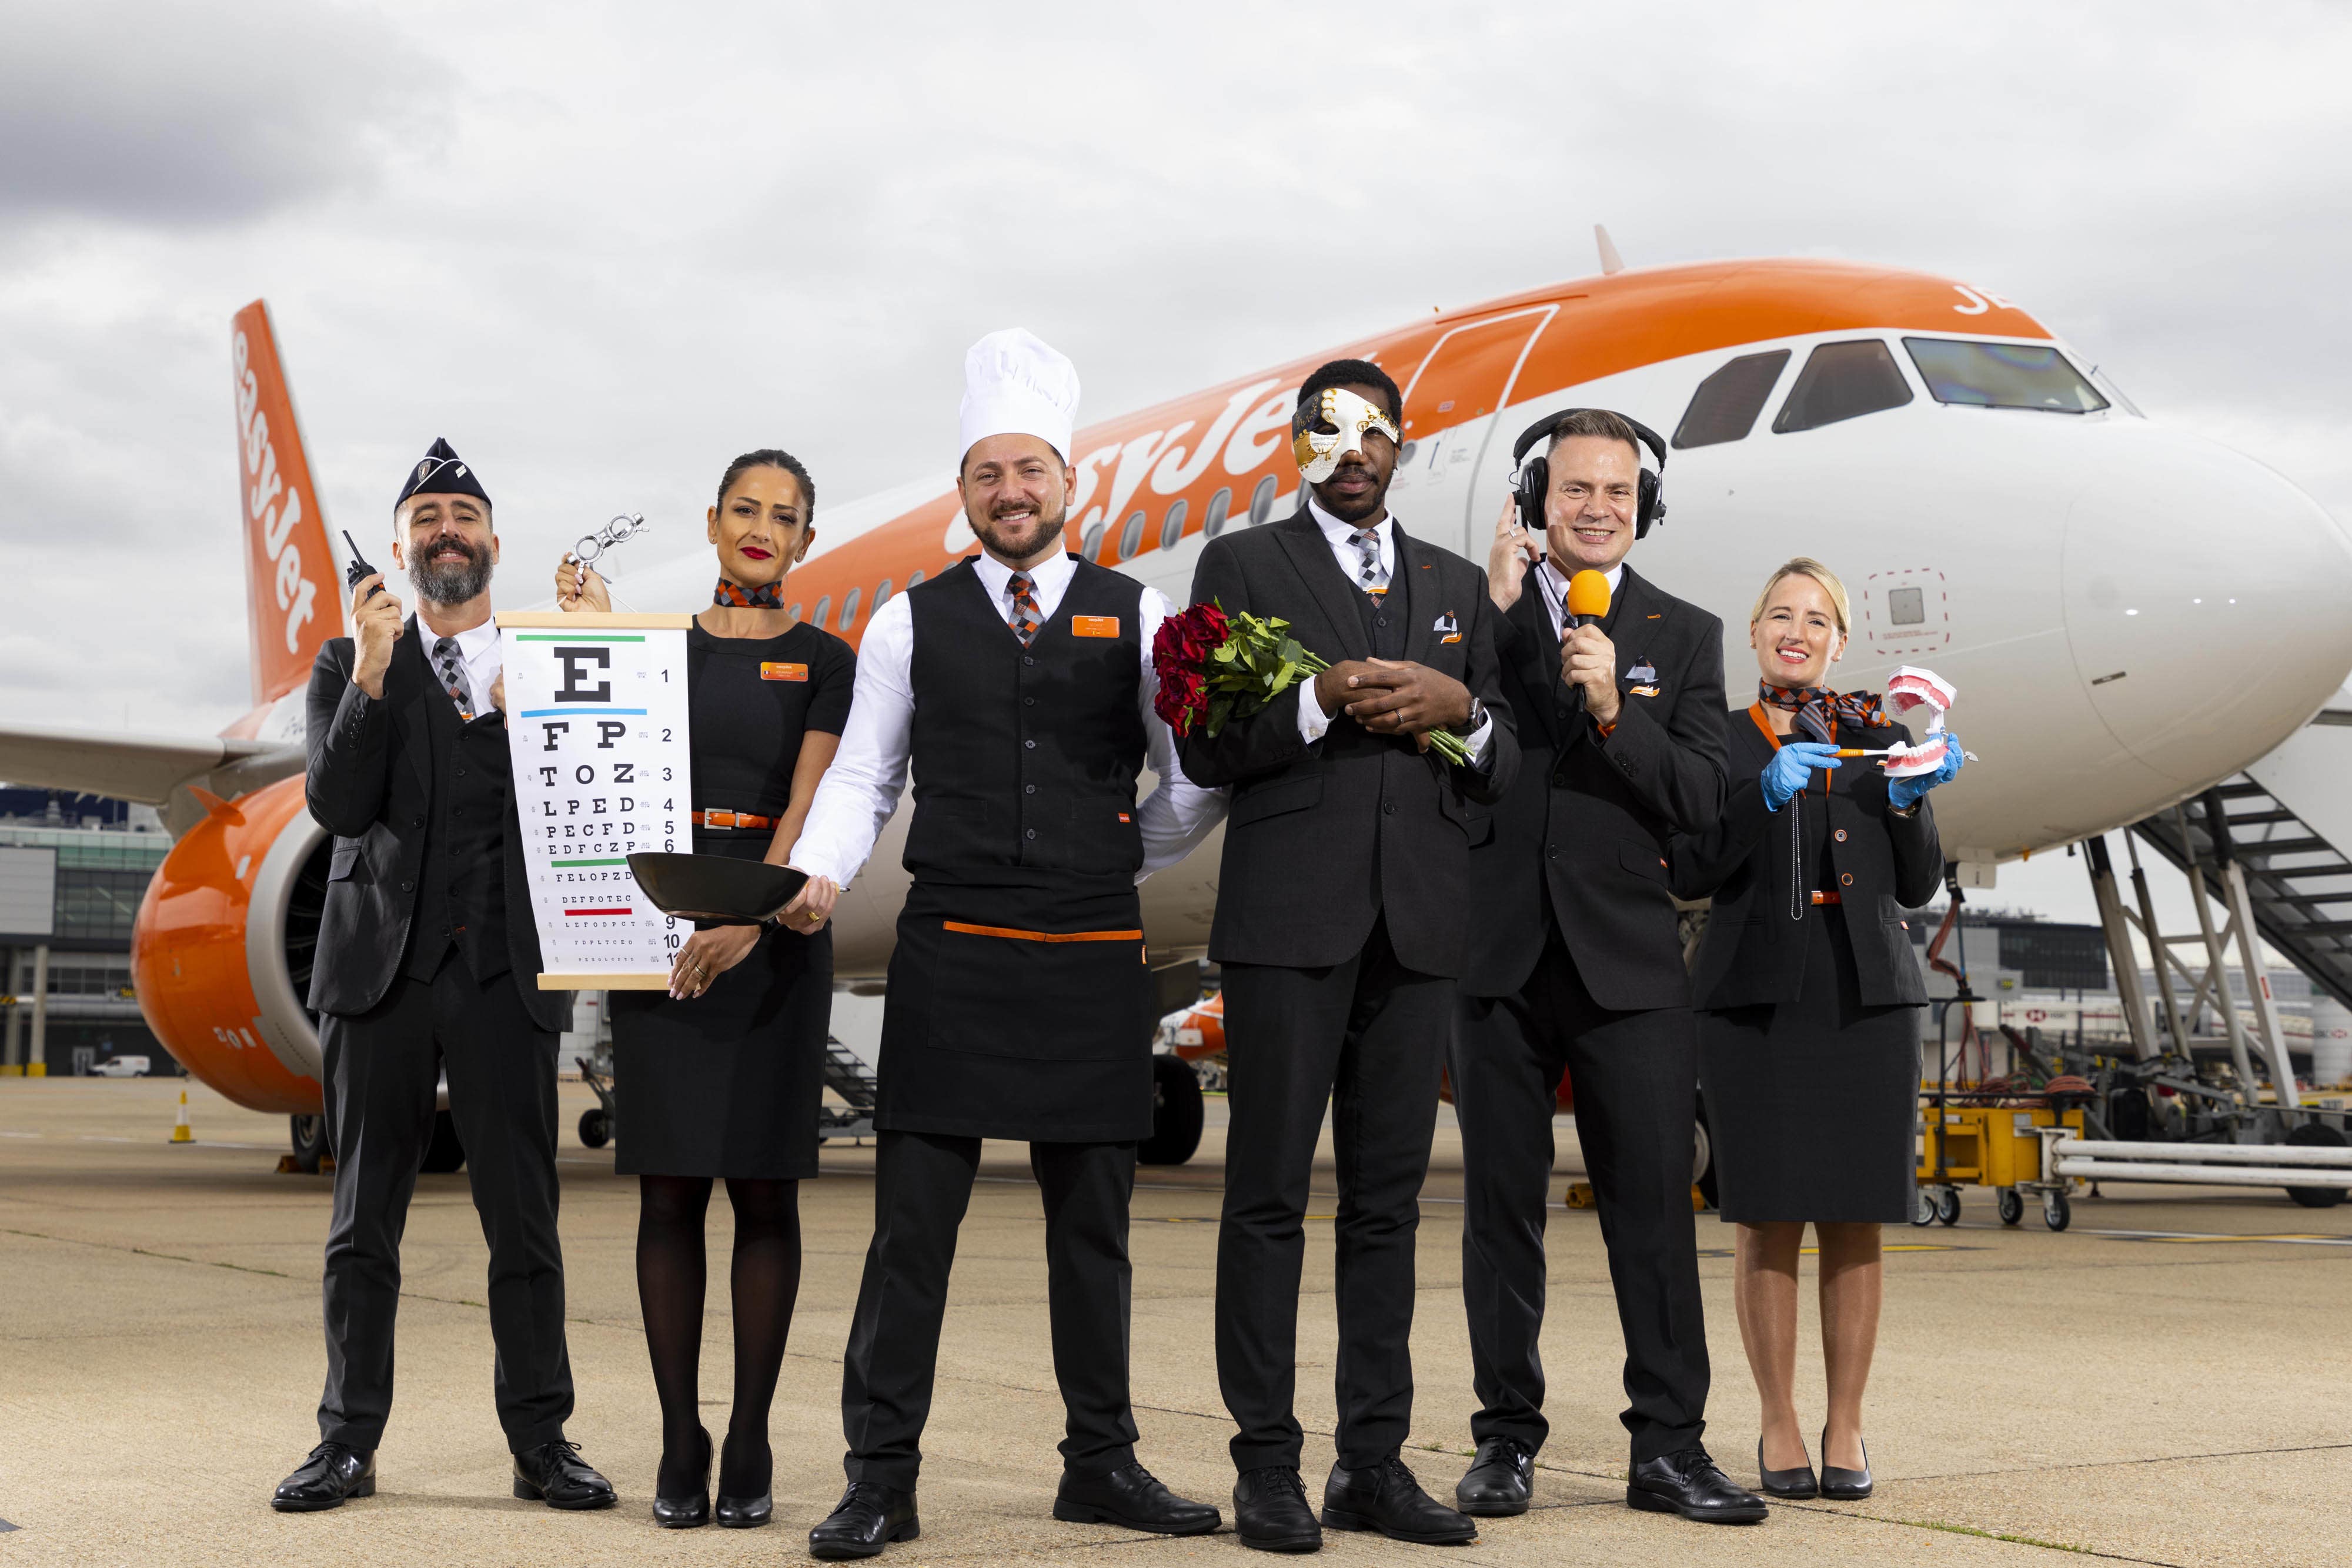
(1019, 1002)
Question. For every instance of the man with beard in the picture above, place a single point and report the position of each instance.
(428, 964)
(1343, 909)
(1019, 686)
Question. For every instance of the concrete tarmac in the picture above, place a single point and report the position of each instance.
(2166, 1383)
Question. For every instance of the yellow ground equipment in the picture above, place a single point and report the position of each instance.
(2005, 1147)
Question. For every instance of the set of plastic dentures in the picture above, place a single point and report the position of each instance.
(1908, 688)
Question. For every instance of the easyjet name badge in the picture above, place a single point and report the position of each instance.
(772, 672)
(1094, 625)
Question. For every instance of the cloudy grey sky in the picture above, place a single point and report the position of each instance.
(605, 247)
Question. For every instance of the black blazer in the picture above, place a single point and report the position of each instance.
(1583, 832)
(371, 784)
(1754, 949)
(1298, 877)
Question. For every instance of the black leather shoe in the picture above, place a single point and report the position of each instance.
(1499, 1483)
(868, 1517)
(737, 1508)
(1131, 1498)
(1688, 1483)
(1385, 1497)
(1795, 1485)
(555, 1474)
(1270, 1512)
(1843, 1485)
(687, 1510)
(333, 1473)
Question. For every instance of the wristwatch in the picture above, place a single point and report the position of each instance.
(1469, 727)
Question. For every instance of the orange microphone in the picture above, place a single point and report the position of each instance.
(1588, 598)
(1587, 605)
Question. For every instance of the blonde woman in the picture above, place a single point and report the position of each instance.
(1809, 1007)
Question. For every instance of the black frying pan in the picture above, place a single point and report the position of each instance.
(716, 889)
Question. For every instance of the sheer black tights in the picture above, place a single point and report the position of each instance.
(765, 1278)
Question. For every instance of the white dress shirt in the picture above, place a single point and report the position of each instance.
(1313, 722)
(868, 775)
(484, 659)
(1550, 587)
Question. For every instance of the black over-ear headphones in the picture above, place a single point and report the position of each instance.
(1533, 477)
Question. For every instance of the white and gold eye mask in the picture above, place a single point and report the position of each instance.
(1350, 416)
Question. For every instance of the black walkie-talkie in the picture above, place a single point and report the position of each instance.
(359, 569)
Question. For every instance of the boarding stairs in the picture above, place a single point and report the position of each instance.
(847, 1076)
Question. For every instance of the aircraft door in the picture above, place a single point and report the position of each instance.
(1451, 401)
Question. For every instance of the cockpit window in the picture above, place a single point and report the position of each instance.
(2002, 375)
(1843, 381)
(1726, 405)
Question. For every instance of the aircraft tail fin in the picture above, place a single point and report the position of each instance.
(293, 594)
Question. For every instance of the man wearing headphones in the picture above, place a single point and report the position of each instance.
(1621, 719)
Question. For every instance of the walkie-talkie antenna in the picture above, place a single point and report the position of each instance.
(359, 570)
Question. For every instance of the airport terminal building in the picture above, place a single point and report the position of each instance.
(73, 869)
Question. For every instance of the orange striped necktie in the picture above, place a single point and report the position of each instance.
(1025, 617)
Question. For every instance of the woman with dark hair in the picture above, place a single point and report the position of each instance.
(721, 1078)
(1809, 1003)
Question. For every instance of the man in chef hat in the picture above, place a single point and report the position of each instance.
(1018, 684)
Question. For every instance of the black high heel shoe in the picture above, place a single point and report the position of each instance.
(691, 1511)
(737, 1513)
(1790, 1485)
(1844, 1486)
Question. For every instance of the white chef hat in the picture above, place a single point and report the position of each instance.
(1016, 384)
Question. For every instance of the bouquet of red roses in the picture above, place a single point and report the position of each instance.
(1215, 667)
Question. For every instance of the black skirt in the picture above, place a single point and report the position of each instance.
(729, 1083)
(1813, 1105)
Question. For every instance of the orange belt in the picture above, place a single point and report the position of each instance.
(731, 820)
(1042, 936)
(1829, 898)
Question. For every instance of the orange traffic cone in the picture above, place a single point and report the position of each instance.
(180, 1131)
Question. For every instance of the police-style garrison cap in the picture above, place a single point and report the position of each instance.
(441, 472)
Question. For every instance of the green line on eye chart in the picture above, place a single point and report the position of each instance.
(567, 865)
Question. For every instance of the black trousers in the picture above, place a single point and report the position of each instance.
(1636, 1081)
(1367, 1037)
(381, 1067)
(922, 1185)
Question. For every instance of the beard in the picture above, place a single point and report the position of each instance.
(450, 581)
(1014, 543)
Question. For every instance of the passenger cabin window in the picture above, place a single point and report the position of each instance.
(1843, 381)
(824, 609)
(1726, 405)
(1219, 505)
(1172, 532)
(1262, 502)
(849, 610)
(1130, 538)
(882, 594)
(1090, 546)
(917, 577)
(2002, 375)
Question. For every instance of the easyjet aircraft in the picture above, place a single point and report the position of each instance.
(2130, 610)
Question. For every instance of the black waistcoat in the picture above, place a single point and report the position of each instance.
(1384, 625)
(1025, 759)
(463, 871)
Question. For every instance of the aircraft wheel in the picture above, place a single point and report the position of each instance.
(1947, 1207)
(2056, 1212)
(1177, 1114)
(445, 1153)
(2011, 1207)
(2315, 1135)
(595, 1126)
(310, 1143)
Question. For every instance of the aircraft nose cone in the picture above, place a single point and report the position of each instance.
(2208, 600)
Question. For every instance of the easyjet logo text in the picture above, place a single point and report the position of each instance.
(272, 509)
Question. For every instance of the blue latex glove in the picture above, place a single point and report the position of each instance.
(1902, 792)
(1786, 774)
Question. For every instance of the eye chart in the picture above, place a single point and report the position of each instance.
(596, 716)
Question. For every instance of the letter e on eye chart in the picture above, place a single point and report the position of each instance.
(596, 722)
